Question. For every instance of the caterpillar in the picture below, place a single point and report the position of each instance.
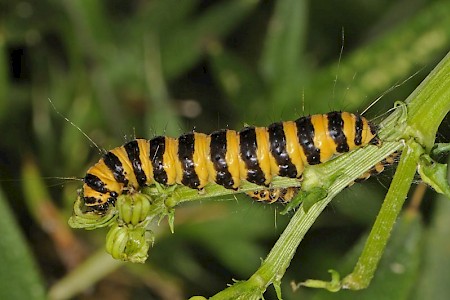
(285, 195)
(226, 157)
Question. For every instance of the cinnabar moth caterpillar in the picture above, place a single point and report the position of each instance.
(285, 195)
(226, 157)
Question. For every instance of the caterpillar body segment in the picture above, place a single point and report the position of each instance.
(378, 167)
(285, 195)
(226, 157)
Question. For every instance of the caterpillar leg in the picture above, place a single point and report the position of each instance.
(378, 167)
(272, 195)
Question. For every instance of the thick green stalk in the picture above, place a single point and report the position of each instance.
(429, 104)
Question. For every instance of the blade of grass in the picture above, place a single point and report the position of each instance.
(185, 47)
(281, 64)
(93, 38)
(4, 81)
(163, 16)
(19, 278)
(165, 114)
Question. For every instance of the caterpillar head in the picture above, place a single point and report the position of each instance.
(374, 139)
(96, 196)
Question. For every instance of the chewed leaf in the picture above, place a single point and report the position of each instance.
(440, 148)
(90, 220)
(434, 174)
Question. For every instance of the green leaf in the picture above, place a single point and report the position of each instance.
(434, 174)
(440, 148)
(19, 277)
(90, 220)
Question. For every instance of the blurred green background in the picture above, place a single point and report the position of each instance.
(120, 69)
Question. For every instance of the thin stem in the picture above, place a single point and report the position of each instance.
(97, 266)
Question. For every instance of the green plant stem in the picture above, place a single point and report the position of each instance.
(429, 104)
(392, 205)
(97, 266)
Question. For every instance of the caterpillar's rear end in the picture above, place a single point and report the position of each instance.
(226, 157)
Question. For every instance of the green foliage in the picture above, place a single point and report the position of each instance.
(142, 68)
(19, 277)
(433, 275)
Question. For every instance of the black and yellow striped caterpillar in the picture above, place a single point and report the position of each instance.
(285, 195)
(226, 157)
